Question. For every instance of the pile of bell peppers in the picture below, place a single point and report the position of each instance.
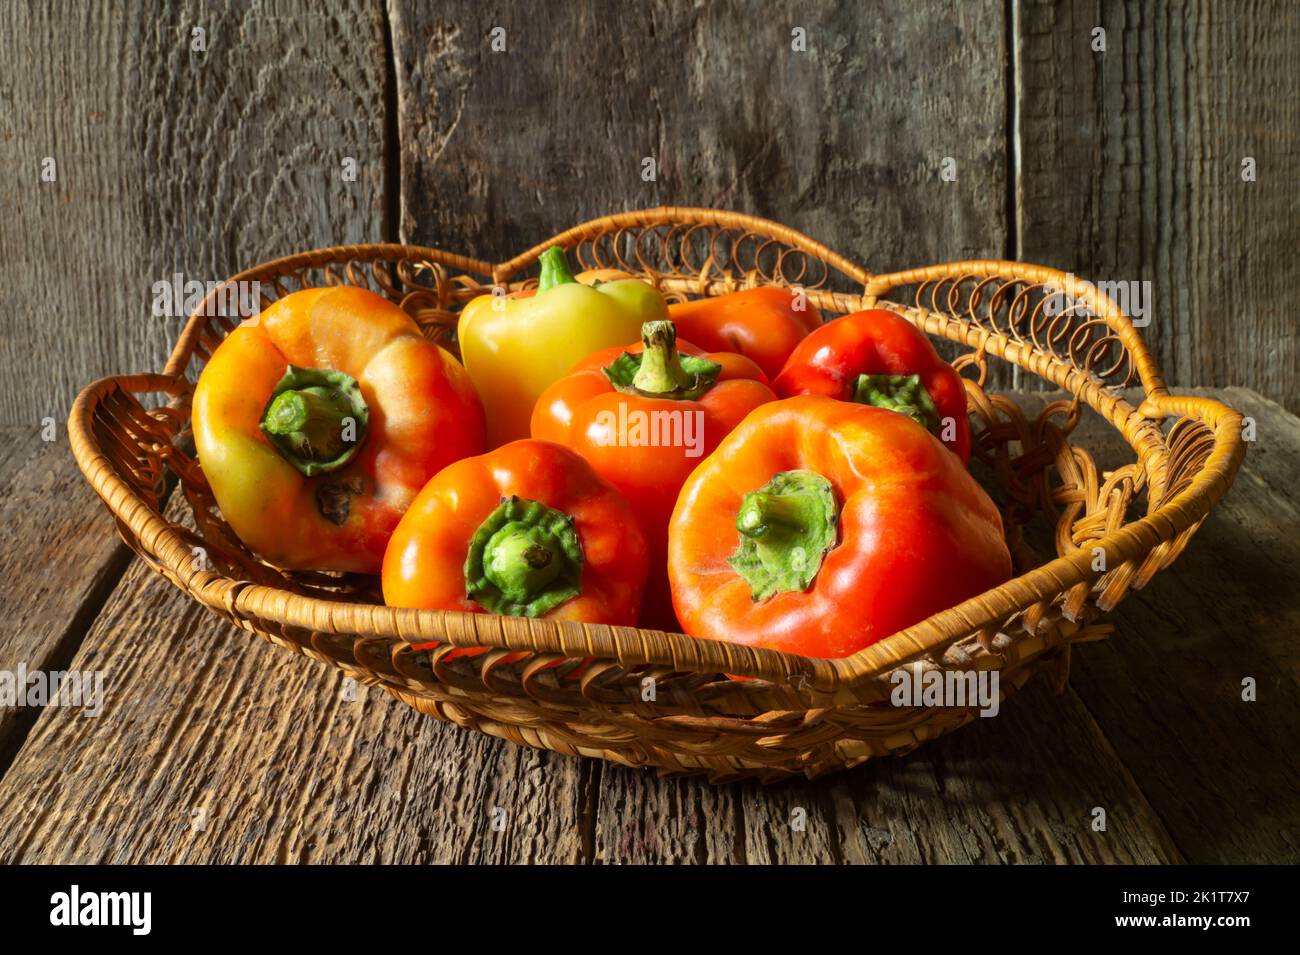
(731, 466)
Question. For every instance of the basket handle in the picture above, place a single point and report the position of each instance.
(681, 216)
(1180, 514)
(344, 257)
(1097, 302)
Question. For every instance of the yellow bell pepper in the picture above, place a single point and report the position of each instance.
(515, 346)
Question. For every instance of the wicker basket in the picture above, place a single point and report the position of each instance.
(130, 435)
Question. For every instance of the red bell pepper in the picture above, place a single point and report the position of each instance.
(820, 526)
(879, 358)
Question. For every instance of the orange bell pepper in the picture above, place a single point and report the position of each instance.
(527, 530)
(644, 418)
(318, 423)
(821, 526)
(763, 324)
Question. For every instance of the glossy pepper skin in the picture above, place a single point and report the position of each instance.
(306, 497)
(515, 346)
(644, 423)
(819, 527)
(878, 358)
(527, 530)
(763, 324)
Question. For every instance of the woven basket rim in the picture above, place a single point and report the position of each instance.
(632, 646)
(629, 645)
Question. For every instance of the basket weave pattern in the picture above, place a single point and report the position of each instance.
(583, 689)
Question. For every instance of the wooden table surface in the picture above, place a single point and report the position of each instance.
(214, 746)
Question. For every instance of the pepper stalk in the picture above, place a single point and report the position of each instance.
(524, 560)
(660, 370)
(786, 527)
(316, 418)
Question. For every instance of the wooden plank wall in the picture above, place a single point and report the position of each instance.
(1122, 164)
(1131, 169)
(168, 160)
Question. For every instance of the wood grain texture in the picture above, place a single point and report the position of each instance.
(639, 819)
(215, 746)
(974, 797)
(1128, 167)
(1128, 163)
(1167, 687)
(59, 558)
(969, 797)
(1131, 170)
(168, 160)
(843, 141)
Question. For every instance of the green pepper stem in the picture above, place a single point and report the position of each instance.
(524, 560)
(786, 527)
(520, 563)
(316, 419)
(902, 393)
(661, 368)
(315, 413)
(555, 270)
(767, 515)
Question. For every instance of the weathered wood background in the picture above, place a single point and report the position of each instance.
(1118, 165)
